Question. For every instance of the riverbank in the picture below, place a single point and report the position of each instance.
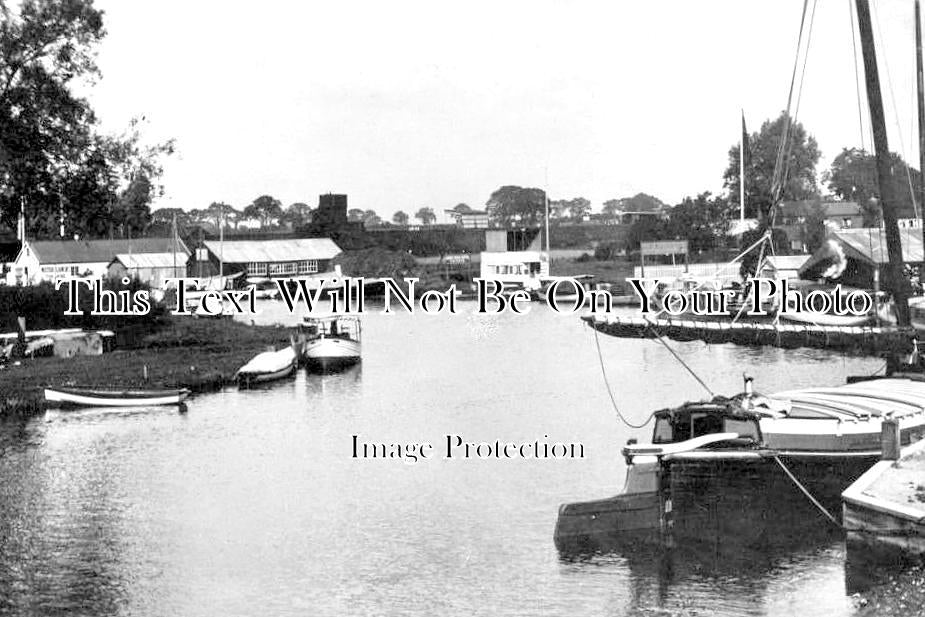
(199, 354)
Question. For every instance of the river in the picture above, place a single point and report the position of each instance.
(251, 503)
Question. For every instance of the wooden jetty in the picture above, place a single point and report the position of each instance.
(884, 509)
(853, 340)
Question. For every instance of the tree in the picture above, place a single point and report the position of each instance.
(165, 216)
(354, 215)
(612, 207)
(52, 158)
(462, 208)
(799, 183)
(516, 205)
(646, 229)
(266, 209)
(814, 228)
(426, 216)
(558, 208)
(640, 202)
(578, 207)
(400, 218)
(297, 214)
(220, 214)
(703, 220)
(371, 219)
(853, 177)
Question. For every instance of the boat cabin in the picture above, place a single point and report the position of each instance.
(701, 419)
(344, 327)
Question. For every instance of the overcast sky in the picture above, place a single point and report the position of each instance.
(403, 104)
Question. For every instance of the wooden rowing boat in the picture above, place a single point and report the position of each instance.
(90, 397)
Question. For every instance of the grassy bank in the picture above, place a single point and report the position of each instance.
(610, 271)
(199, 354)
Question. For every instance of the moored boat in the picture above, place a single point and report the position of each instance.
(332, 342)
(712, 456)
(268, 366)
(92, 397)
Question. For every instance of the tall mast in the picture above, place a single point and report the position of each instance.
(921, 99)
(895, 281)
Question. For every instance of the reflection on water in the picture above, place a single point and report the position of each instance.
(251, 504)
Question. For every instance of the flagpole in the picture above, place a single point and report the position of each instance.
(546, 200)
(221, 246)
(742, 170)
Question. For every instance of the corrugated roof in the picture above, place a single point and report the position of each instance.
(870, 243)
(245, 251)
(152, 260)
(95, 251)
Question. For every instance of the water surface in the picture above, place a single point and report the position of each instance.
(251, 504)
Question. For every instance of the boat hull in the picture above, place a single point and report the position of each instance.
(595, 525)
(71, 397)
(246, 378)
(329, 354)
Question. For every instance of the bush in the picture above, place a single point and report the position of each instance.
(44, 308)
(608, 251)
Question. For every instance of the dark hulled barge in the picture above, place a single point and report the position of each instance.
(746, 460)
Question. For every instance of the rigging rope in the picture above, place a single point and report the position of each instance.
(659, 338)
(899, 131)
(821, 508)
(613, 401)
(788, 161)
(777, 181)
(857, 78)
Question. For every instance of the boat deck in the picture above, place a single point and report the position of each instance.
(885, 508)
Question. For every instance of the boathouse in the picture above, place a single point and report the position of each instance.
(265, 259)
(151, 268)
(55, 260)
(853, 256)
(783, 267)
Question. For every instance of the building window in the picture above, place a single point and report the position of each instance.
(846, 222)
(309, 266)
(257, 268)
(278, 269)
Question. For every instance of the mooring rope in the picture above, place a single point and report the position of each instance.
(613, 401)
(659, 338)
(821, 508)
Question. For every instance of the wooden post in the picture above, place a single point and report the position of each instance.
(890, 440)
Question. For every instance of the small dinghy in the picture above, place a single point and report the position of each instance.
(268, 366)
(89, 397)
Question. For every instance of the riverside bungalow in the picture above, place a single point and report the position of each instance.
(852, 256)
(265, 259)
(55, 260)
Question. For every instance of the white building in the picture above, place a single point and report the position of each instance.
(55, 260)
(514, 258)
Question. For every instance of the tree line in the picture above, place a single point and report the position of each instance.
(57, 166)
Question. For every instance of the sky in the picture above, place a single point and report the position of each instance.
(407, 103)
